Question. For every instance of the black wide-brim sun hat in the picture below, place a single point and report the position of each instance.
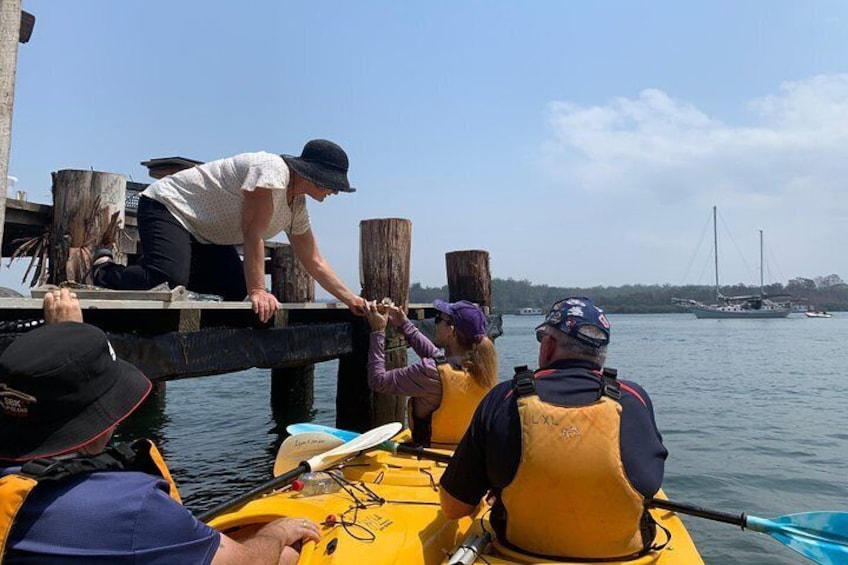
(322, 162)
(61, 387)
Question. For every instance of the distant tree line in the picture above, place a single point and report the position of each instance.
(509, 295)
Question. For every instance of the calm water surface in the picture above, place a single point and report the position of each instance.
(752, 412)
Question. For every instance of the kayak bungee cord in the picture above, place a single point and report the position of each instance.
(372, 500)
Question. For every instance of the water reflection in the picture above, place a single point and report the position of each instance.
(150, 420)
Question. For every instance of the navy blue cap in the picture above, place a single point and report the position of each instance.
(573, 314)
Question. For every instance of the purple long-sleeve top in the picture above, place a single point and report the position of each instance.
(420, 381)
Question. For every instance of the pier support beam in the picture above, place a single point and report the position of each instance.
(385, 248)
(10, 25)
(88, 213)
(469, 277)
(292, 389)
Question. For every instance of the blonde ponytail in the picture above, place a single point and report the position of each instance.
(481, 362)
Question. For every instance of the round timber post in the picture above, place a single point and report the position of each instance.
(469, 277)
(10, 27)
(88, 213)
(385, 248)
(292, 389)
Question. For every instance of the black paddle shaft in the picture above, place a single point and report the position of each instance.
(735, 519)
(276, 482)
(422, 453)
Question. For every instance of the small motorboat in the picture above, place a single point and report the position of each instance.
(818, 314)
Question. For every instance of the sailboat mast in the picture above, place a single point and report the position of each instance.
(715, 247)
(761, 261)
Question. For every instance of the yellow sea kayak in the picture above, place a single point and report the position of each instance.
(389, 512)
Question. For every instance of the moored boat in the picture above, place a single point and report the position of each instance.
(388, 512)
(818, 314)
(529, 311)
(728, 307)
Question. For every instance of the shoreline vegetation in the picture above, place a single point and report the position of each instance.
(509, 295)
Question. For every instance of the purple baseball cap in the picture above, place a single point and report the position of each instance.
(466, 317)
(572, 314)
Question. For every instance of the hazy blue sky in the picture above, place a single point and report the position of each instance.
(581, 143)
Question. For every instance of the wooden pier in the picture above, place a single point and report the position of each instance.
(171, 337)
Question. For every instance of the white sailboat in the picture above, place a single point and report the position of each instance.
(751, 306)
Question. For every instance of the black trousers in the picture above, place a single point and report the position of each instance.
(171, 254)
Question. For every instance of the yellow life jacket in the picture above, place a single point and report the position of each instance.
(461, 394)
(142, 456)
(570, 497)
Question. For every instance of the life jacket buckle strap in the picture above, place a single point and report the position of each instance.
(610, 387)
(524, 382)
(40, 468)
(612, 392)
(610, 372)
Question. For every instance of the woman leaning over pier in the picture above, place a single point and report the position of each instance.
(190, 222)
(444, 388)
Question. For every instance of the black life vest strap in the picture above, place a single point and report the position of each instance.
(422, 432)
(647, 529)
(117, 458)
(609, 384)
(570, 559)
(523, 382)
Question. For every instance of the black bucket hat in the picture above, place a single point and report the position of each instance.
(61, 387)
(322, 162)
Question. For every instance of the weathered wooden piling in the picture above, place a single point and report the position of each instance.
(88, 213)
(292, 389)
(10, 26)
(469, 277)
(385, 248)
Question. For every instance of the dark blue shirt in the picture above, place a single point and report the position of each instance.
(107, 517)
(489, 453)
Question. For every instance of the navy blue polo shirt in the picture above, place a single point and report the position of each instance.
(489, 453)
(110, 518)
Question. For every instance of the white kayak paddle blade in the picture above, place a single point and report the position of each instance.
(298, 448)
(368, 440)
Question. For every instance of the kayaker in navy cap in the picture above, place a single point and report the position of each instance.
(190, 223)
(444, 388)
(66, 496)
(568, 453)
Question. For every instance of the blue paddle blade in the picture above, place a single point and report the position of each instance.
(303, 428)
(819, 536)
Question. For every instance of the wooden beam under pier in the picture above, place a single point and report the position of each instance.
(184, 339)
(213, 351)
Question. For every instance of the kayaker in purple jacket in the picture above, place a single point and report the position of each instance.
(444, 388)
(70, 499)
